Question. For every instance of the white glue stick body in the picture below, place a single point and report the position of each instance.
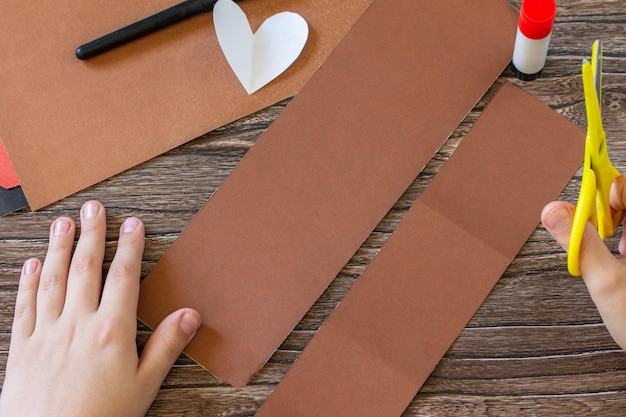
(533, 38)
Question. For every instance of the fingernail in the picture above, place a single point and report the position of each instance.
(189, 324)
(130, 225)
(61, 227)
(91, 210)
(558, 219)
(30, 267)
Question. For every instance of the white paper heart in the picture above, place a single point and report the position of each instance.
(258, 58)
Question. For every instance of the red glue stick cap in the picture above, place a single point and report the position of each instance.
(536, 18)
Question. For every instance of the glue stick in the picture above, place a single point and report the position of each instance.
(534, 29)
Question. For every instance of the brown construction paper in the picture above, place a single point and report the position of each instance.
(381, 343)
(68, 124)
(313, 187)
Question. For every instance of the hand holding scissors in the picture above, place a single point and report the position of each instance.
(598, 172)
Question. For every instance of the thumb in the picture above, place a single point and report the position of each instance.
(166, 344)
(594, 257)
(557, 218)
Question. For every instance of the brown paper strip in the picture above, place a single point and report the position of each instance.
(310, 191)
(68, 124)
(384, 339)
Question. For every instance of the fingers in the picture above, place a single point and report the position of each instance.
(618, 202)
(603, 274)
(53, 279)
(121, 288)
(166, 344)
(26, 301)
(85, 274)
(618, 193)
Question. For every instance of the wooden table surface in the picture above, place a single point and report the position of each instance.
(537, 345)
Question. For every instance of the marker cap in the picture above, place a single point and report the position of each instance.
(536, 18)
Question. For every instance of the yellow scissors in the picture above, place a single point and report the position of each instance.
(598, 172)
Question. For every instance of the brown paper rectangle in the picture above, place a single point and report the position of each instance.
(389, 332)
(314, 186)
(68, 124)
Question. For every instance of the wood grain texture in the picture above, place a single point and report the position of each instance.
(537, 345)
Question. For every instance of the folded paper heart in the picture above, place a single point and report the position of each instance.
(258, 57)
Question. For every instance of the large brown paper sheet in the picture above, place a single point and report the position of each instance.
(384, 339)
(313, 187)
(68, 124)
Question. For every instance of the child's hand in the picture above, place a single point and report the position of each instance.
(604, 275)
(73, 353)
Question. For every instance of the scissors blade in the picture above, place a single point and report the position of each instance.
(596, 65)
